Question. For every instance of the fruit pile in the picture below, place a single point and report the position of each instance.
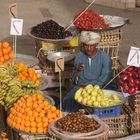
(50, 30)
(130, 80)
(32, 114)
(94, 96)
(90, 20)
(6, 52)
(77, 122)
(10, 87)
(26, 73)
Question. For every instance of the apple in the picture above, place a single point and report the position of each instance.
(98, 98)
(93, 98)
(96, 87)
(89, 102)
(88, 97)
(94, 93)
(89, 90)
(96, 104)
(84, 101)
(89, 87)
(79, 99)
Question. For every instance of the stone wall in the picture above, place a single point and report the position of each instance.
(122, 4)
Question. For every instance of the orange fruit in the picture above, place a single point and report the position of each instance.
(1, 59)
(32, 118)
(1, 53)
(27, 129)
(45, 119)
(9, 49)
(40, 130)
(27, 124)
(6, 56)
(5, 44)
(45, 124)
(33, 124)
(5, 51)
(36, 114)
(40, 124)
(38, 119)
(33, 129)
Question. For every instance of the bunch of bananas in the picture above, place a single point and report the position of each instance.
(11, 89)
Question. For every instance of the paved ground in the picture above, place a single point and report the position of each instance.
(63, 11)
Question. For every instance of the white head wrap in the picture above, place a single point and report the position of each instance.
(89, 38)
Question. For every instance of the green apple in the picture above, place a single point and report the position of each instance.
(93, 98)
(88, 97)
(96, 87)
(89, 90)
(89, 102)
(79, 99)
(115, 97)
(89, 87)
(100, 91)
(94, 93)
(96, 104)
(84, 101)
(77, 94)
(98, 98)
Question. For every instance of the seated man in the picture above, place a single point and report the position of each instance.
(91, 66)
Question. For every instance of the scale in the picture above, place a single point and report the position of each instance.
(59, 58)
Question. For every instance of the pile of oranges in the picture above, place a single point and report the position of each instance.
(32, 114)
(6, 52)
(26, 73)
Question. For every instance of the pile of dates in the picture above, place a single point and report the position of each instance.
(50, 30)
(89, 20)
(77, 122)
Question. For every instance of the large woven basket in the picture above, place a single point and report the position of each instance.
(117, 126)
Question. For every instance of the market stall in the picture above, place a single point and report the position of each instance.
(29, 113)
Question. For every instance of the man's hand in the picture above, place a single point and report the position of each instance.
(80, 67)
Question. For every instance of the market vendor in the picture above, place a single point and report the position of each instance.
(91, 66)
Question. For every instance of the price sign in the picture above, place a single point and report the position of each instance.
(134, 57)
(16, 26)
(59, 64)
(13, 10)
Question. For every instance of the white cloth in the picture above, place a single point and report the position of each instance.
(89, 37)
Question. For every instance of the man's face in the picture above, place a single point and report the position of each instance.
(90, 49)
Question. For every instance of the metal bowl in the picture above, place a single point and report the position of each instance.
(112, 92)
(67, 56)
(113, 22)
(58, 41)
(26, 59)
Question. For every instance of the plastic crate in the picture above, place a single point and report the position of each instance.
(105, 112)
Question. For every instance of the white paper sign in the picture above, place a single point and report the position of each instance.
(134, 57)
(16, 26)
(59, 64)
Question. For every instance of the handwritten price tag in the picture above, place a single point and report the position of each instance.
(16, 26)
(134, 57)
(13, 10)
(59, 64)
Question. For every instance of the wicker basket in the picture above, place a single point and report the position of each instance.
(135, 123)
(117, 126)
(134, 102)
